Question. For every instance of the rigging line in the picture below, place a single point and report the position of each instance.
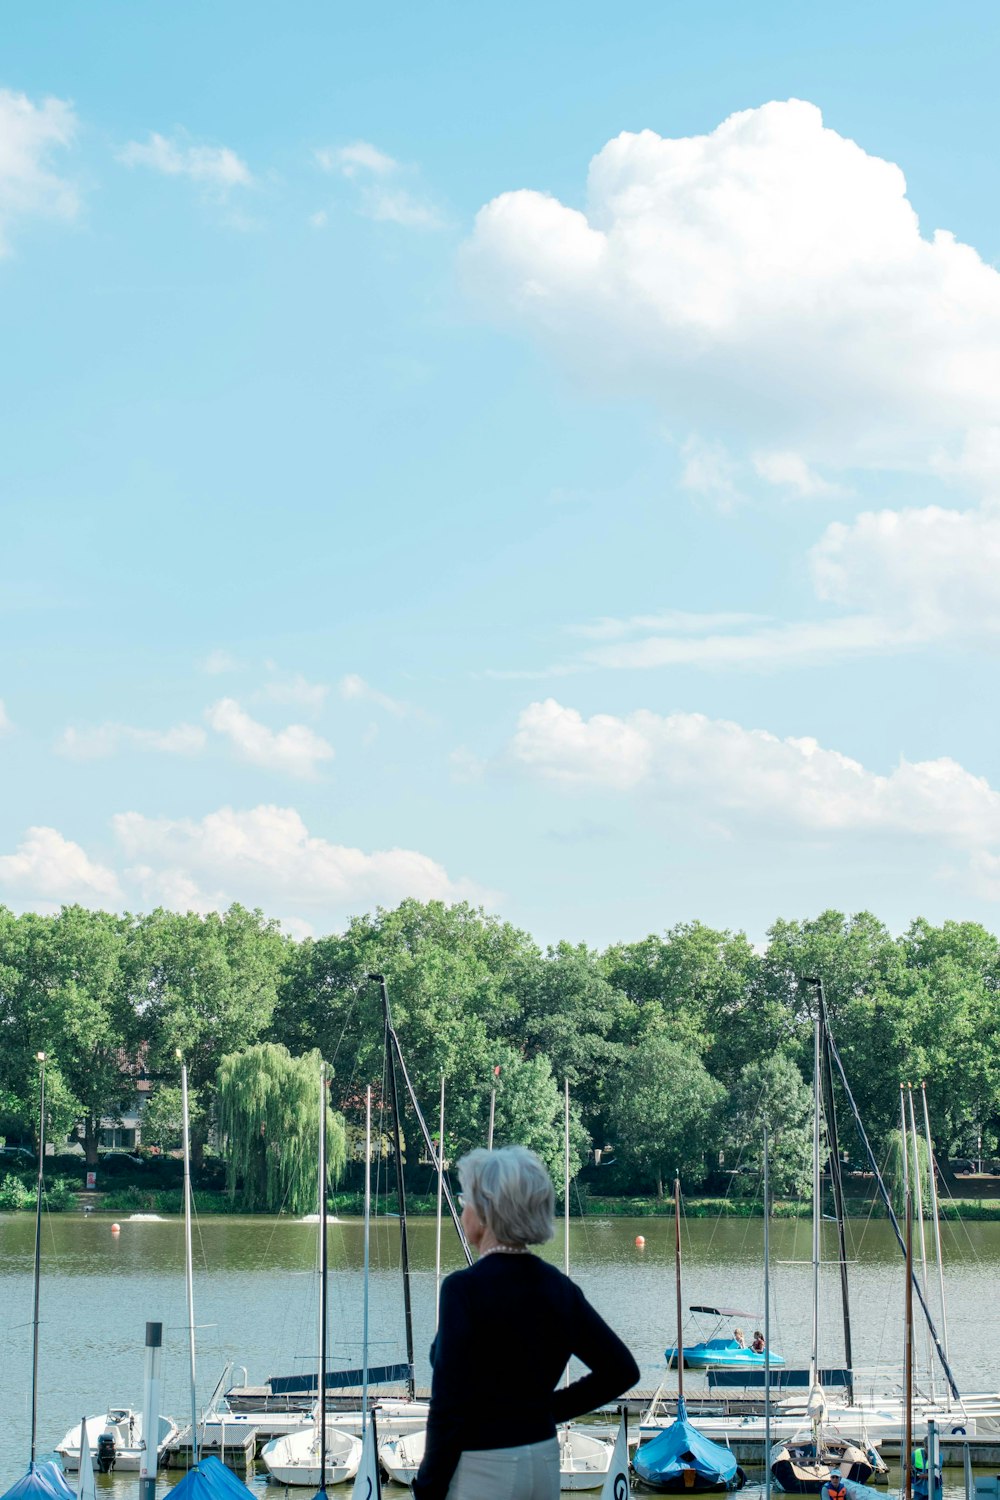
(891, 1211)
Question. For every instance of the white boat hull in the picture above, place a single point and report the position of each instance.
(401, 1457)
(584, 1461)
(124, 1426)
(294, 1459)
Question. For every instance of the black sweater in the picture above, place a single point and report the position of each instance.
(507, 1328)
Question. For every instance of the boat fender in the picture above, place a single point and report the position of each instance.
(106, 1454)
(640, 1242)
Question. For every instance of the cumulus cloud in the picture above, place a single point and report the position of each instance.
(376, 178)
(216, 167)
(30, 136)
(107, 739)
(791, 473)
(756, 778)
(47, 866)
(295, 750)
(266, 856)
(770, 283)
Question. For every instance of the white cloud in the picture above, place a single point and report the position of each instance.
(5, 725)
(399, 206)
(380, 194)
(770, 784)
(296, 750)
(212, 166)
(789, 471)
(265, 856)
(294, 688)
(48, 866)
(709, 470)
(30, 135)
(107, 739)
(359, 158)
(683, 622)
(219, 661)
(355, 688)
(768, 283)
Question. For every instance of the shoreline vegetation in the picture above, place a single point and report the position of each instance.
(168, 1201)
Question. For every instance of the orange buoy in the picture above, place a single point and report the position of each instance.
(116, 1229)
(640, 1241)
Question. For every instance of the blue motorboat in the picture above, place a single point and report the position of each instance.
(681, 1458)
(722, 1353)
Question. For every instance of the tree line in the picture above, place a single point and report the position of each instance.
(675, 1046)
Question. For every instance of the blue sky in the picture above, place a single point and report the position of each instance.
(547, 457)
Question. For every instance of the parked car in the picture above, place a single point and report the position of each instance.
(961, 1166)
(21, 1153)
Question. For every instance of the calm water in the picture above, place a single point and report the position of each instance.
(255, 1302)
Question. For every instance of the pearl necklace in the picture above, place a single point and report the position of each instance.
(504, 1250)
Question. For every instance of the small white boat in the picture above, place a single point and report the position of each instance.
(584, 1461)
(294, 1459)
(401, 1457)
(115, 1440)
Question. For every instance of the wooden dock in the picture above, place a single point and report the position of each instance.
(239, 1451)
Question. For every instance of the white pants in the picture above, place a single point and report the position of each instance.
(530, 1472)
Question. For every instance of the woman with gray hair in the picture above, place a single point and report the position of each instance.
(508, 1326)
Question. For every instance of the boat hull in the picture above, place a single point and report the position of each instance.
(294, 1460)
(802, 1469)
(721, 1354)
(584, 1461)
(124, 1426)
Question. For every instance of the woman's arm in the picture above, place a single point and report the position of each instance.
(453, 1359)
(612, 1368)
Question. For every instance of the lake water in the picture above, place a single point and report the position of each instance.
(255, 1303)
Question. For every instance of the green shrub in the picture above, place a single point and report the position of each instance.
(13, 1194)
(60, 1196)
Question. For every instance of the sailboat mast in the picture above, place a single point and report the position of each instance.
(677, 1288)
(767, 1318)
(188, 1266)
(404, 1243)
(937, 1227)
(566, 1176)
(837, 1176)
(919, 1204)
(368, 1225)
(440, 1207)
(37, 1287)
(908, 1357)
(816, 1210)
(321, 1404)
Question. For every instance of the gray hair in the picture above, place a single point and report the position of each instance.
(512, 1193)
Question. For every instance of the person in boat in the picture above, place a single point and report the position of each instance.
(508, 1326)
(738, 1338)
(836, 1487)
(757, 1342)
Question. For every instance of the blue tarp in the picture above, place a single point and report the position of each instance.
(662, 1461)
(42, 1482)
(211, 1480)
(854, 1490)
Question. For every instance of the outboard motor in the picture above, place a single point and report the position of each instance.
(106, 1454)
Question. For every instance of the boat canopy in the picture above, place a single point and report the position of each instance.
(210, 1480)
(681, 1447)
(780, 1379)
(723, 1312)
(301, 1385)
(42, 1482)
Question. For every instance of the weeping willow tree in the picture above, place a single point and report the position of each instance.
(894, 1172)
(269, 1127)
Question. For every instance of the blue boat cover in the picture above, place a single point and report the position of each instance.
(681, 1446)
(42, 1482)
(210, 1480)
(855, 1491)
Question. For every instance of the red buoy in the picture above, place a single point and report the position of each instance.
(116, 1229)
(640, 1242)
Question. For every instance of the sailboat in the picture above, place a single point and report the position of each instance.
(43, 1481)
(368, 1481)
(583, 1460)
(320, 1454)
(806, 1462)
(680, 1457)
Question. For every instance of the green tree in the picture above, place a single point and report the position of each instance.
(771, 1092)
(268, 1110)
(204, 986)
(163, 1118)
(665, 1112)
